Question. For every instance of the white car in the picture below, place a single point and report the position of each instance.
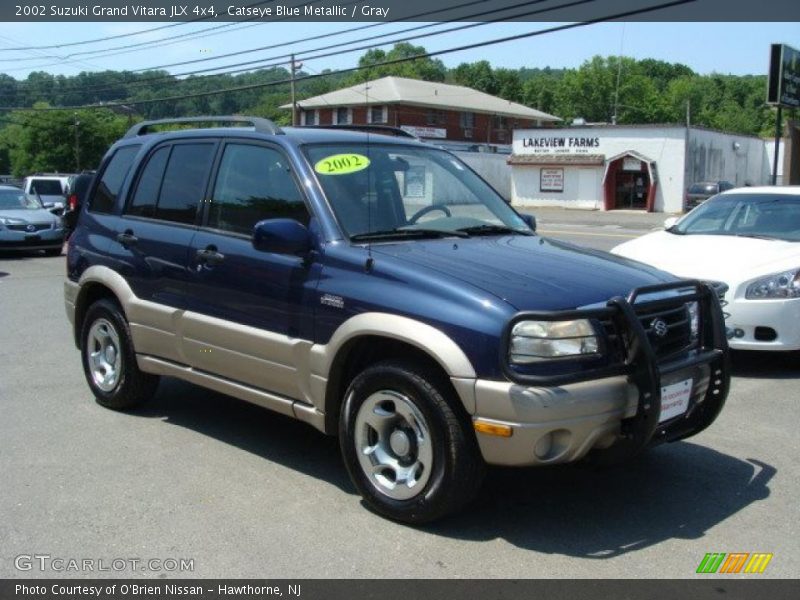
(749, 239)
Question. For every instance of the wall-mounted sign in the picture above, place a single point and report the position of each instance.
(551, 180)
(439, 133)
(784, 76)
(560, 144)
(631, 164)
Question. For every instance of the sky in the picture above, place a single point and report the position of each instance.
(728, 48)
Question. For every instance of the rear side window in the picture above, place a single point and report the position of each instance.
(145, 198)
(184, 182)
(172, 183)
(112, 178)
(254, 183)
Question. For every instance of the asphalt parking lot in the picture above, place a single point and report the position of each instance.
(248, 493)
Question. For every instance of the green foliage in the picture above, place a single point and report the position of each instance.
(427, 69)
(46, 141)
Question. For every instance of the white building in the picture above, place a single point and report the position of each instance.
(646, 167)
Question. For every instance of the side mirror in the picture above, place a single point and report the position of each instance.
(669, 223)
(281, 236)
(530, 221)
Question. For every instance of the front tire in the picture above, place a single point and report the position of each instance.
(109, 360)
(407, 446)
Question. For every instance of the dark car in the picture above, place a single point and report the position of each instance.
(699, 192)
(77, 186)
(376, 288)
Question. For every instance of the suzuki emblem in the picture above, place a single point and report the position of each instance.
(659, 327)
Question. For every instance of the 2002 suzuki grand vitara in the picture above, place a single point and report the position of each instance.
(377, 288)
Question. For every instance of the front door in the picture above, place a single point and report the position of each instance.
(247, 309)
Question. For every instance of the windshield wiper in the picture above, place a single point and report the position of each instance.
(406, 233)
(490, 229)
(757, 236)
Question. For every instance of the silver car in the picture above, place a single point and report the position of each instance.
(26, 225)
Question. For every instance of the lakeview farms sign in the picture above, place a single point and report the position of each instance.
(560, 145)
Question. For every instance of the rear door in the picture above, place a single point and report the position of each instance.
(153, 239)
(247, 308)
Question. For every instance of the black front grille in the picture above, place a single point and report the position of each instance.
(676, 326)
(25, 227)
(668, 329)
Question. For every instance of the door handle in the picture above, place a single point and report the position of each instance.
(210, 256)
(127, 238)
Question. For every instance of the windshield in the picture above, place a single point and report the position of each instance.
(17, 200)
(703, 188)
(773, 216)
(395, 191)
(46, 187)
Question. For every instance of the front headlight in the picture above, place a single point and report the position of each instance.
(532, 341)
(11, 221)
(779, 285)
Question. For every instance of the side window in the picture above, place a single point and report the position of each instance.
(112, 178)
(184, 182)
(146, 196)
(254, 183)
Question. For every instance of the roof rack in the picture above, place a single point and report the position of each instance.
(260, 124)
(384, 129)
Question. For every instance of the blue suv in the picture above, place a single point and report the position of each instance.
(377, 288)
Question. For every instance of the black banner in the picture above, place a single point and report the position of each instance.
(393, 10)
(405, 589)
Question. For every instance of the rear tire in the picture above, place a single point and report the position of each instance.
(109, 360)
(407, 445)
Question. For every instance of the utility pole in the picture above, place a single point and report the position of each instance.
(293, 68)
(77, 146)
(778, 136)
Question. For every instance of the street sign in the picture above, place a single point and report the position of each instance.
(784, 76)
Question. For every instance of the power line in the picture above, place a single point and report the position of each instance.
(462, 48)
(121, 35)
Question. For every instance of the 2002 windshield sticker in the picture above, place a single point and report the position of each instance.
(341, 164)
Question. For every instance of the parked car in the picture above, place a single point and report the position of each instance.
(50, 189)
(26, 225)
(749, 239)
(426, 325)
(77, 187)
(699, 192)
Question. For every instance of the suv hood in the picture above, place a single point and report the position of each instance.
(528, 272)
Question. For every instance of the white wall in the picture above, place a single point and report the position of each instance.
(769, 146)
(713, 155)
(582, 187)
(664, 145)
(492, 167)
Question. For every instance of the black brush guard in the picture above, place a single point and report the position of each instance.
(641, 365)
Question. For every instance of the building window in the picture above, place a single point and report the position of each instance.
(435, 117)
(309, 117)
(467, 120)
(342, 116)
(500, 122)
(377, 114)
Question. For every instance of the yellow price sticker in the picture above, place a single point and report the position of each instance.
(341, 164)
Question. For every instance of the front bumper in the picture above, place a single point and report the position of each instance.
(780, 315)
(40, 240)
(560, 418)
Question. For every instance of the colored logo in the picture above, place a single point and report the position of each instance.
(734, 562)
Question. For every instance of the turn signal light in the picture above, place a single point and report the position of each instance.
(493, 429)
